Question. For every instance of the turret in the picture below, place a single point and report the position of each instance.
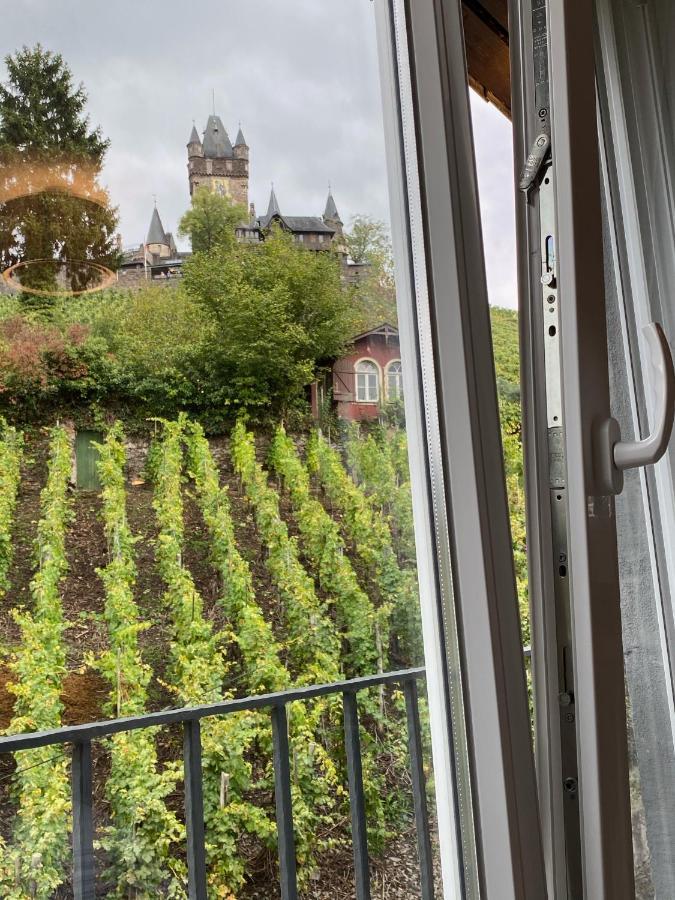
(331, 216)
(194, 146)
(240, 146)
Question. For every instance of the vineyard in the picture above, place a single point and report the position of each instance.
(203, 570)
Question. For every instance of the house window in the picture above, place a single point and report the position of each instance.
(394, 380)
(367, 382)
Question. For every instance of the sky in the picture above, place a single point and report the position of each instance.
(300, 75)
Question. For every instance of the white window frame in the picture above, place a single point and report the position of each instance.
(398, 393)
(378, 375)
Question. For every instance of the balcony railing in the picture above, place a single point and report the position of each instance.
(81, 737)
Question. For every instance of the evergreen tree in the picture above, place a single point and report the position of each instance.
(51, 208)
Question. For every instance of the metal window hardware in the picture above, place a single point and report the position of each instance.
(613, 455)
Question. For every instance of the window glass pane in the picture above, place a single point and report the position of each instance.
(639, 217)
(203, 431)
(203, 355)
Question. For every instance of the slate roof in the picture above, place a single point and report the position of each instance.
(194, 137)
(306, 224)
(240, 139)
(156, 233)
(216, 144)
(331, 212)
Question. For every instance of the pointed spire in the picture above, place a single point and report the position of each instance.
(194, 136)
(331, 213)
(216, 141)
(273, 206)
(241, 140)
(156, 233)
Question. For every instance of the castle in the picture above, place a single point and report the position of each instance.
(216, 164)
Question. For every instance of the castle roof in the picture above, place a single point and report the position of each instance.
(194, 137)
(241, 140)
(156, 233)
(272, 209)
(331, 213)
(216, 143)
(306, 224)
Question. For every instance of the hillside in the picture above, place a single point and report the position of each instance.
(144, 613)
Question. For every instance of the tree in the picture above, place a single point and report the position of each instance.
(51, 207)
(211, 221)
(368, 245)
(277, 310)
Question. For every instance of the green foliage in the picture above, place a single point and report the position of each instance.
(211, 221)
(46, 137)
(35, 863)
(370, 536)
(373, 465)
(11, 453)
(369, 245)
(364, 628)
(261, 654)
(197, 675)
(275, 310)
(311, 639)
(142, 830)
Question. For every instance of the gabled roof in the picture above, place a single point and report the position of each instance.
(241, 140)
(216, 144)
(156, 233)
(384, 330)
(331, 212)
(194, 137)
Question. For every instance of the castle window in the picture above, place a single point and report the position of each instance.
(367, 381)
(228, 166)
(394, 380)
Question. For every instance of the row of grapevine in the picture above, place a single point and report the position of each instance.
(375, 467)
(142, 828)
(197, 675)
(370, 536)
(314, 781)
(306, 622)
(34, 864)
(11, 453)
(312, 641)
(364, 627)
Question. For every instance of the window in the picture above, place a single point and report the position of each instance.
(394, 380)
(367, 381)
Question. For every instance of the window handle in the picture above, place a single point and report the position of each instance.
(617, 455)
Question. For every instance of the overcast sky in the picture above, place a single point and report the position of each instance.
(300, 75)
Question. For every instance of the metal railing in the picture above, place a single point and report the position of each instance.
(81, 737)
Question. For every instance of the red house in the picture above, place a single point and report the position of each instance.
(364, 379)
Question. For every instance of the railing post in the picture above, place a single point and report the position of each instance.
(84, 878)
(356, 798)
(284, 804)
(419, 789)
(194, 810)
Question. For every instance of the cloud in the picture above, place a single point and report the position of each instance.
(301, 76)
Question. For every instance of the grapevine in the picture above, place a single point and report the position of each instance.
(34, 865)
(198, 670)
(364, 627)
(142, 829)
(375, 468)
(11, 452)
(370, 535)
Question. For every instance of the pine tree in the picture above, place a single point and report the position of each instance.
(51, 207)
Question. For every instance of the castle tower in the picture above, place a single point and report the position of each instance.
(157, 243)
(215, 164)
(240, 146)
(331, 217)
